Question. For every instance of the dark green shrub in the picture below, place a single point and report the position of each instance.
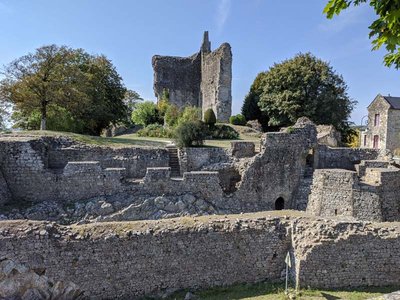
(155, 130)
(223, 132)
(237, 120)
(209, 117)
(190, 133)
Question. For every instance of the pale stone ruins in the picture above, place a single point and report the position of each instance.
(203, 79)
(67, 212)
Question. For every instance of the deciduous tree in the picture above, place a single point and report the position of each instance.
(305, 86)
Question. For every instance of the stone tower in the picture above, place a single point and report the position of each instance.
(203, 79)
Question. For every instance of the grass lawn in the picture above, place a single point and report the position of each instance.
(268, 291)
(245, 134)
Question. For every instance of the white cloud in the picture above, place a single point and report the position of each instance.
(223, 11)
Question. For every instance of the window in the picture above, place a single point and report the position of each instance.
(365, 140)
(376, 142)
(377, 120)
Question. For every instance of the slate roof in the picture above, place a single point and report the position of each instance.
(393, 101)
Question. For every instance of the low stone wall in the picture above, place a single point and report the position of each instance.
(5, 195)
(338, 192)
(243, 149)
(346, 254)
(41, 169)
(129, 260)
(132, 259)
(342, 158)
(134, 160)
(194, 159)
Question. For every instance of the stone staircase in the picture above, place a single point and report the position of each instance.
(304, 188)
(174, 161)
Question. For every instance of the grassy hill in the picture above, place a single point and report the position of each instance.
(245, 134)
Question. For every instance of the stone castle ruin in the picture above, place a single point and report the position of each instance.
(67, 209)
(203, 80)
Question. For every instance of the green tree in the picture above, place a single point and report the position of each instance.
(37, 79)
(131, 98)
(238, 119)
(305, 86)
(250, 108)
(145, 113)
(88, 87)
(385, 30)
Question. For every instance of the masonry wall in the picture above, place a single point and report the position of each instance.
(5, 194)
(338, 192)
(393, 130)
(216, 81)
(134, 160)
(181, 76)
(132, 259)
(276, 171)
(346, 254)
(36, 170)
(194, 159)
(381, 107)
(342, 158)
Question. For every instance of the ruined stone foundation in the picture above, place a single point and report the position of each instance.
(127, 260)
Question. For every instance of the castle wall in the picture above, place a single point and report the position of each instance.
(5, 194)
(135, 259)
(216, 81)
(132, 259)
(342, 158)
(194, 159)
(34, 171)
(181, 76)
(337, 192)
(134, 160)
(277, 170)
(203, 79)
(346, 254)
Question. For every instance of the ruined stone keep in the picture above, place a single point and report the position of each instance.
(203, 79)
(383, 129)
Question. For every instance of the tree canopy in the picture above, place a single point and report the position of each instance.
(67, 84)
(304, 86)
(385, 30)
(250, 107)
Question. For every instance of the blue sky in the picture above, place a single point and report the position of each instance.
(261, 32)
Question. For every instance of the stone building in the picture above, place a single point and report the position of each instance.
(203, 79)
(383, 129)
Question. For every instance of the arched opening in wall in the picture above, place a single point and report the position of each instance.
(279, 203)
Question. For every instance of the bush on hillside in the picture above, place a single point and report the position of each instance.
(155, 130)
(209, 117)
(190, 133)
(172, 115)
(223, 132)
(239, 119)
(190, 114)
